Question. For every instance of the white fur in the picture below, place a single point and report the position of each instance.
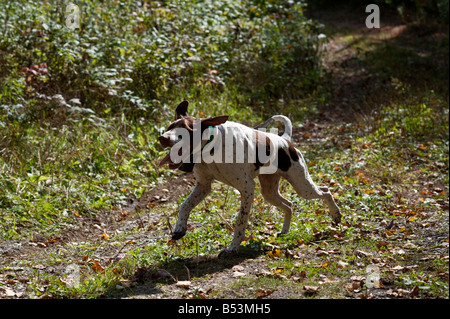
(241, 176)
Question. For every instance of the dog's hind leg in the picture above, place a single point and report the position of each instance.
(200, 191)
(300, 179)
(270, 192)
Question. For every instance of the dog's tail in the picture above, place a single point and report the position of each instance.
(287, 134)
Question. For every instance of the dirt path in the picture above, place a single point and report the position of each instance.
(139, 223)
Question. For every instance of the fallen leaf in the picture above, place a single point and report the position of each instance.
(261, 293)
(238, 274)
(382, 244)
(104, 236)
(415, 292)
(39, 266)
(7, 292)
(183, 284)
(358, 278)
(324, 280)
(398, 268)
(97, 267)
(398, 251)
(278, 270)
(389, 233)
(263, 272)
(237, 268)
(353, 287)
(427, 258)
(321, 252)
(288, 253)
(310, 290)
(362, 253)
(274, 253)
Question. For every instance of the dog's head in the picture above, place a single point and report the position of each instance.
(183, 129)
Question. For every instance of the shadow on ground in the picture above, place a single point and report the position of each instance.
(147, 280)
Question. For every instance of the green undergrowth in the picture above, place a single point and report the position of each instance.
(81, 110)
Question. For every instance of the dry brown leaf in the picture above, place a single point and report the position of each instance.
(97, 267)
(358, 278)
(415, 292)
(39, 266)
(238, 274)
(261, 293)
(237, 268)
(398, 268)
(183, 284)
(310, 290)
(263, 272)
(353, 287)
(7, 292)
(362, 253)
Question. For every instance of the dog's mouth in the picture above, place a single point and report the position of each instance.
(168, 160)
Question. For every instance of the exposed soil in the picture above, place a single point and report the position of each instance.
(212, 274)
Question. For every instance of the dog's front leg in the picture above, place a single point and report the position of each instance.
(247, 196)
(198, 194)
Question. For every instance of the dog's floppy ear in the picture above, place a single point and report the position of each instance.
(181, 110)
(213, 121)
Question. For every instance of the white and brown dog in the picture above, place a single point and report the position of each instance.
(235, 154)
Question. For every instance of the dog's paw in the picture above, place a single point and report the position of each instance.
(178, 234)
(226, 253)
(336, 218)
(281, 234)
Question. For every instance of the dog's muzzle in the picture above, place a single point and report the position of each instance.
(167, 142)
(164, 141)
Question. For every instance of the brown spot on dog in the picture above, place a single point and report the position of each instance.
(262, 141)
(284, 161)
(186, 122)
(293, 152)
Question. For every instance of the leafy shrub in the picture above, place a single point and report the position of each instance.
(128, 56)
(73, 102)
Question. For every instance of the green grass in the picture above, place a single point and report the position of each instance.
(67, 167)
(369, 196)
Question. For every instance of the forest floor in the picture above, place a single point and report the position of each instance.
(395, 226)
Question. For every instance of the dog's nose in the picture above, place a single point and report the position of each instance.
(164, 140)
